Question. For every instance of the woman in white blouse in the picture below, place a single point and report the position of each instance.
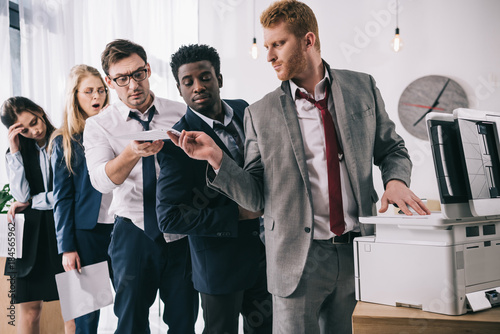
(30, 178)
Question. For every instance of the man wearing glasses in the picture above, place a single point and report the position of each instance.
(143, 259)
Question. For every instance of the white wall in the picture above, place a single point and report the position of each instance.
(455, 38)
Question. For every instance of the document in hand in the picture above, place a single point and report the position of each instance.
(11, 236)
(85, 292)
(157, 134)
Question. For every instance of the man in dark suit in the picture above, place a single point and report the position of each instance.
(309, 149)
(227, 254)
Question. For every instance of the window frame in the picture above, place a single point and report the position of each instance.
(14, 15)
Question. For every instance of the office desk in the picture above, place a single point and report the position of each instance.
(371, 318)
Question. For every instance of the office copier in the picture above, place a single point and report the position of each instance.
(447, 262)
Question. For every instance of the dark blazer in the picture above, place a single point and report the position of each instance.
(76, 202)
(33, 220)
(225, 251)
(276, 178)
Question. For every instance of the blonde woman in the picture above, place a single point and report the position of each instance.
(83, 226)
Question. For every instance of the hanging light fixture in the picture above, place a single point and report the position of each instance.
(254, 51)
(396, 42)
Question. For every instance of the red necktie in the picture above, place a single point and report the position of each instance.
(337, 224)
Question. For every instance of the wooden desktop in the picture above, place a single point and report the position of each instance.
(369, 318)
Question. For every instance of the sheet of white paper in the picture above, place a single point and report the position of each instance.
(85, 292)
(11, 236)
(157, 134)
(478, 301)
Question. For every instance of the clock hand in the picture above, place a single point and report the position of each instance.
(435, 102)
(421, 106)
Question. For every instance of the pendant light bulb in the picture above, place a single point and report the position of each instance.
(255, 50)
(396, 42)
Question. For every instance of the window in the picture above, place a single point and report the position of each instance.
(15, 46)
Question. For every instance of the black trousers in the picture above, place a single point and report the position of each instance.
(140, 268)
(221, 312)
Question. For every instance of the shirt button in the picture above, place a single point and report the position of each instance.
(307, 229)
(255, 233)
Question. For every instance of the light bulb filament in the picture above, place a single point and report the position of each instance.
(254, 51)
(396, 42)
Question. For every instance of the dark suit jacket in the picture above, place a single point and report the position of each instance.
(76, 202)
(276, 179)
(225, 252)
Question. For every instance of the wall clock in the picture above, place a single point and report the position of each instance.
(427, 94)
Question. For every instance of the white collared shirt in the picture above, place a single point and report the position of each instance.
(19, 186)
(224, 136)
(101, 146)
(313, 136)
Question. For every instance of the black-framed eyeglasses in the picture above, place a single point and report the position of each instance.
(138, 76)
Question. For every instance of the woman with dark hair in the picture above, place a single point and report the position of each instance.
(30, 178)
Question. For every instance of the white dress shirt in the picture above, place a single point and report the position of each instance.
(101, 146)
(313, 136)
(104, 216)
(19, 186)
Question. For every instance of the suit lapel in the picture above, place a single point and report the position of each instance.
(344, 126)
(339, 113)
(238, 107)
(198, 124)
(289, 111)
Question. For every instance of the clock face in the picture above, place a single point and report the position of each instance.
(432, 93)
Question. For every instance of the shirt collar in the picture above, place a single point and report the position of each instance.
(228, 115)
(124, 109)
(319, 90)
(42, 147)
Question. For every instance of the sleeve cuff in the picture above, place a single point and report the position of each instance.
(14, 159)
(101, 181)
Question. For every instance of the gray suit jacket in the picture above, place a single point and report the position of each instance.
(275, 177)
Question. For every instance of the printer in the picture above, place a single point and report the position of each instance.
(447, 262)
